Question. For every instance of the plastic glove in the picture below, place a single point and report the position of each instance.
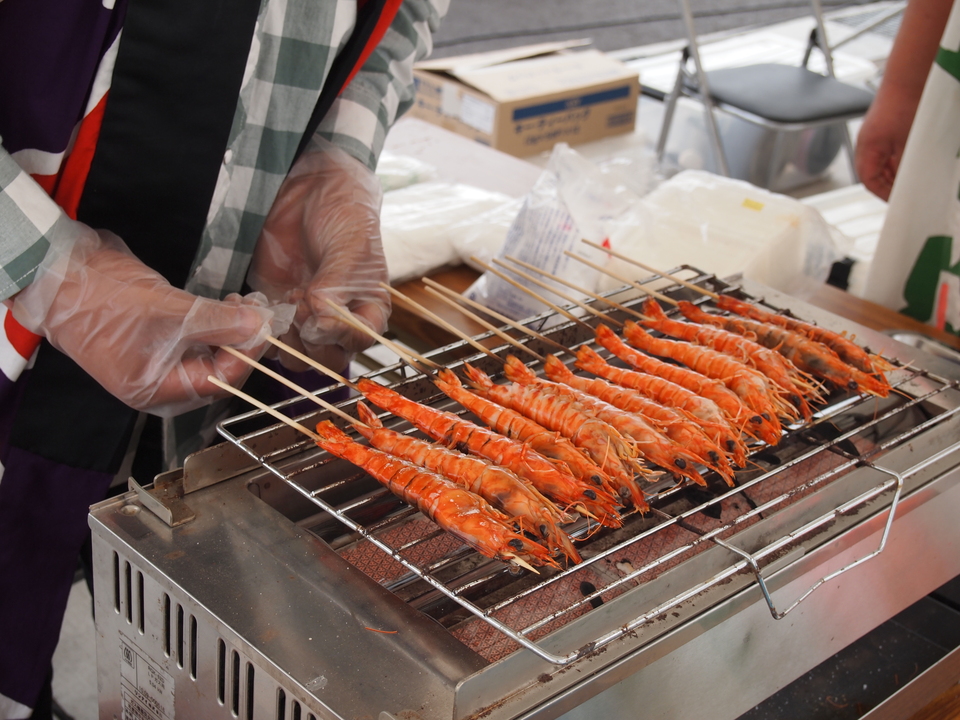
(320, 242)
(148, 343)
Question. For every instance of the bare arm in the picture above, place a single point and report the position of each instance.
(885, 128)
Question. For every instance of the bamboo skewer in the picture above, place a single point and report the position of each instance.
(632, 283)
(574, 286)
(412, 358)
(648, 268)
(310, 434)
(311, 362)
(439, 320)
(545, 286)
(408, 356)
(266, 408)
(303, 392)
(435, 286)
(489, 326)
(555, 308)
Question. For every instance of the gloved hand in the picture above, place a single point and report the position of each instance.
(321, 241)
(148, 343)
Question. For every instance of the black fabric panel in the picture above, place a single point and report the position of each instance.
(67, 417)
(166, 126)
(368, 13)
(167, 121)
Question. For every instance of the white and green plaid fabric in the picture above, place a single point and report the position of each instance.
(294, 45)
(293, 48)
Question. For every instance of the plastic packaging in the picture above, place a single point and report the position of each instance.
(572, 200)
(426, 226)
(725, 226)
(399, 171)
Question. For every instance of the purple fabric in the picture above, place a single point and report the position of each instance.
(49, 54)
(43, 524)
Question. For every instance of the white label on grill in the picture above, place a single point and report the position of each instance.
(146, 690)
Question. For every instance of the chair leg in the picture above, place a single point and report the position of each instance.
(669, 108)
(713, 130)
(848, 145)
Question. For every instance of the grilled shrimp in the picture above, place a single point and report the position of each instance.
(652, 445)
(519, 427)
(672, 423)
(741, 417)
(456, 510)
(846, 349)
(809, 355)
(554, 481)
(497, 485)
(792, 384)
(703, 411)
(607, 447)
(751, 387)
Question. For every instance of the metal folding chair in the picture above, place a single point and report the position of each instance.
(778, 97)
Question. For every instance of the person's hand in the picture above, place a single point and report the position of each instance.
(880, 144)
(320, 243)
(148, 343)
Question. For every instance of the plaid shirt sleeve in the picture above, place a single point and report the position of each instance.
(29, 220)
(383, 89)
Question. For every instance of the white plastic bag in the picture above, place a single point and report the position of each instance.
(571, 201)
(421, 225)
(725, 226)
(398, 171)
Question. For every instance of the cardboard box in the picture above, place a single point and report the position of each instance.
(525, 100)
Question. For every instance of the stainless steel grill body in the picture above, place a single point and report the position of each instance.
(243, 611)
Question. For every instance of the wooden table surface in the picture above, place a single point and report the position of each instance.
(424, 334)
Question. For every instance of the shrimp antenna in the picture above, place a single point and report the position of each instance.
(648, 268)
(263, 406)
(556, 308)
(526, 276)
(303, 392)
(488, 326)
(451, 295)
(574, 286)
(411, 358)
(632, 283)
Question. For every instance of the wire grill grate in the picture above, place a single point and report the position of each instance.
(495, 609)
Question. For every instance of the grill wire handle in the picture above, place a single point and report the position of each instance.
(897, 481)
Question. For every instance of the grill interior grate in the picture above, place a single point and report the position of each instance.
(495, 609)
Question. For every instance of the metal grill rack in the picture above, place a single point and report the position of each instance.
(495, 609)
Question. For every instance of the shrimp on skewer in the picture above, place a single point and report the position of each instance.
(792, 384)
(808, 355)
(744, 418)
(846, 350)
(613, 452)
(495, 484)
(701, 410)
(652, 445)
(556, 482)
(519, 427)
(670, 422)
(456, 510)
(750, 386)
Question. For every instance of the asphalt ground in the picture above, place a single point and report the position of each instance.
(479, 25)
